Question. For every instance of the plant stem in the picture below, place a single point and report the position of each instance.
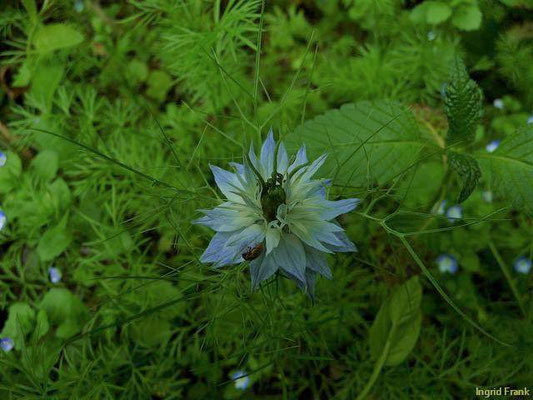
(507, 275)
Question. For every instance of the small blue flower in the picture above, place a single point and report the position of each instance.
(3, 220)
(442, 207)
(492, 146)
(487, 196)
(454, 213)
(55, 274)
(498, 103)
(530, 119)
(79, 6)
(447, 263)
(240, 379)
(522, 265)
(277, 217)
(431, 35)
(3, 158)
(7, 344)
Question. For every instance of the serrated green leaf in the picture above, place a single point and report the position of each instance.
(56, 36)
(366, 142)
(510, 169)
(469, 171)
(463, 105)
(467, 17)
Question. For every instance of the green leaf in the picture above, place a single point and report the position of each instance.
(45, 165)
(462, 104)
(31, 8)
(45, 82)
(159, 82)
(42, 325)
(10, 173)
(469, 171)
(56, 36)
(366, 142)
(467, 17)
(54, 241)
(60, 194)
(437, 12)
(65, 311)
(510, 169)
(397, 325)
(19, 323)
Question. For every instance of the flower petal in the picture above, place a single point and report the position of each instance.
(301, 159)
(282, 160)
(227, 182)
(267, 155)
(290, 256)
(273, 236)
(218, 253)
(316, 261)
(261, 269)
(332, 209)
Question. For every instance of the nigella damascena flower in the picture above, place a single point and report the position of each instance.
(522, 265)
(447, 263)
(498, 103)
(3, 219)
(277, 217)
(530, 120)
(3, 159)
(241, 380)
(7, 344)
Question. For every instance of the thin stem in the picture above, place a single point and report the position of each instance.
(508, 276)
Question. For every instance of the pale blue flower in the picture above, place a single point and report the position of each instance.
(3, 220)
(487, 196)
(240, 380)
(492, 145)
(447, 263)
(276, 216)
(498, 103)
(3, 158)
(530, 119)
(522, 265)
(442, 207)
(79, 6)
(454, 213)
(7, 344)
(54, 274)
(431, 35)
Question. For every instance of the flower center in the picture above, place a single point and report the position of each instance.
(272, 197)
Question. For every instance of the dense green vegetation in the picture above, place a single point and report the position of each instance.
(111, 113)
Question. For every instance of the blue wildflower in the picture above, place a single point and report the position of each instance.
(442, 207)
(277, 217)
(7, 344)
(431, 35)
(447, 263)
(3, 220)
(3, 158)
(54, 274)
(530, 119)
(454, 213)
(522, 265)
(492, 146)
(240, 379)
(487, 196)
(498, 103)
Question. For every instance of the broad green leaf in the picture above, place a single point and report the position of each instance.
(468, 169)
(42, 325)
(10, 173)
(467, 17)
(19, 323)
(366, 142)
(65, 311)
(54, 241)
(463, 105)
(151, 331)
(60, 194)
(510, 168)
(397, 323)
(405, 301)
(437, 12)
(45, 165)
(159, 82)
(31, 8)
(56, 36)
(45, 82)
